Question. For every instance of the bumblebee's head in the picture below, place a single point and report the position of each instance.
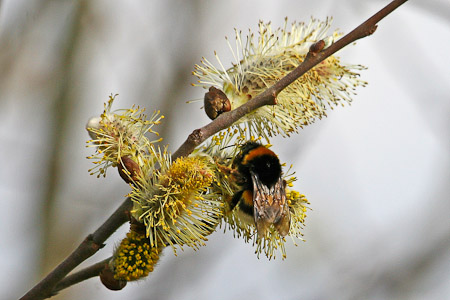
(259, 160)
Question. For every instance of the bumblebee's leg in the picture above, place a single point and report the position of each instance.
(235, 200)
(246, 203)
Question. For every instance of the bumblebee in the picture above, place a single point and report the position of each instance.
(263, 193)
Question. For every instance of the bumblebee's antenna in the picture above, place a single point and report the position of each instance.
(234, 145)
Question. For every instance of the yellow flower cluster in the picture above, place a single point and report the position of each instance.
(275, 54)
(120, 133)
(175, 202)
(134, 258)
(243, 225)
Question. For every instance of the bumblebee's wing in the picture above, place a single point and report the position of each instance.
(270, 206)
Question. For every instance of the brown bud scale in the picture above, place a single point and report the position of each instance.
(129, 170)
(216, 103)
(108, 280)
(317, 47)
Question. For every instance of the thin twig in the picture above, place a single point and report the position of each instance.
(89, 272)
(268, 97)
(91, 244)
(57, 280)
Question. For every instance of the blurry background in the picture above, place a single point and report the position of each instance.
(377, 173)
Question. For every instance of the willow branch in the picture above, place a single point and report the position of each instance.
(91, 244)
(268, 97)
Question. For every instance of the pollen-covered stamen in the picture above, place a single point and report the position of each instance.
(260, 64)
(120, 133)
(134, 258)
(175, 202)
